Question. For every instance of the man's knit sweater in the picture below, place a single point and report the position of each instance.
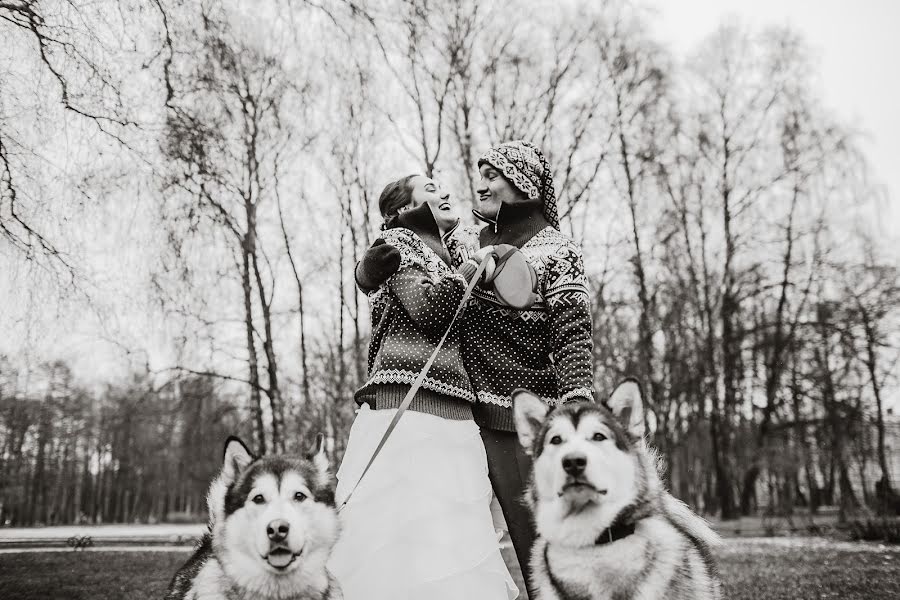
(547, 348)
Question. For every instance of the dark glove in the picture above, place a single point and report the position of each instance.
(378, 263)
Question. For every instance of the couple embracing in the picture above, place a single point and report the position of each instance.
(419, 523)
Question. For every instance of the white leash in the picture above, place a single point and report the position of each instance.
(421, 377)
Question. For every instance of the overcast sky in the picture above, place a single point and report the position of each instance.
(857, 45)
(858, 48)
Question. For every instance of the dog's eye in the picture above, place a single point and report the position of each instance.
(258, 499)
(556, 440)
(299, 497)
(599, 437)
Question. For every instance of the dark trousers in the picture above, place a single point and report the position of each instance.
(509, 468)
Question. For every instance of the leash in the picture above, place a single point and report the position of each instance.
(407, 400)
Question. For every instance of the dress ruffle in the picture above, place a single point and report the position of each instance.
(419, 525)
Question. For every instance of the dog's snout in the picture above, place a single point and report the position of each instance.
(574, 464)
(278, 530)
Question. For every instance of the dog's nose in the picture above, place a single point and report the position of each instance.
(278, 530)
(574, 464)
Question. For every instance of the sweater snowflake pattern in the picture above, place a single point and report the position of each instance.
(410, 312)
(546, 349)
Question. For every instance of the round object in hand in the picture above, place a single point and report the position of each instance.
(514, 280)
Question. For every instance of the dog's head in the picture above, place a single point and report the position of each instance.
(273, 518)
(589, 461)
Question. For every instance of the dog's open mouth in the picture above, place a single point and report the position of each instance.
(281, 558)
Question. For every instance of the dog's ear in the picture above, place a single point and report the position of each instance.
(627, 404)
(529, 412)
(237, 457)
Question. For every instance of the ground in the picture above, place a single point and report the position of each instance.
(752, 568)
(788, 569)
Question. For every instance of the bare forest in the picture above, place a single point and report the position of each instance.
(186, 187)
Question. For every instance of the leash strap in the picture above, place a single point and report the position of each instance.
(421, 377)
(500, 261)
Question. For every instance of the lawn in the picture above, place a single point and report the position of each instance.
(758, 569)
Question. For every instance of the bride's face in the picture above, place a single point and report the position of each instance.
(426, 190)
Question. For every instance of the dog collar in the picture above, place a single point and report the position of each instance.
(614, 533)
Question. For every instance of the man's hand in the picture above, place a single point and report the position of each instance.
(492, 264)
(377, 265)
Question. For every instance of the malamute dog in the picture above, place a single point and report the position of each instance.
(607, 529)
(272, 524)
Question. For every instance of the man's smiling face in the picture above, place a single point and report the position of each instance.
(494, 189)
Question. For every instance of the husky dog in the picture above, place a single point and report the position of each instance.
(607, 529)
(272, 524)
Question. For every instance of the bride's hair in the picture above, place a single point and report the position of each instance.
(395, 196)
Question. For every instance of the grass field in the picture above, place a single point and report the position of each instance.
(758, 569)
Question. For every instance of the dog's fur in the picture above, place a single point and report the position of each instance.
(607, 529)
(272, 524)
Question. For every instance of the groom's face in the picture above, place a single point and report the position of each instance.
(494, 189)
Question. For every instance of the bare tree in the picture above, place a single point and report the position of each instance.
(810, 147)
(633, 67)
(872, 290)
(743, 80)
(226, 131)
(66, 67)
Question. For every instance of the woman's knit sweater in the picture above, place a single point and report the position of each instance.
(410, 312)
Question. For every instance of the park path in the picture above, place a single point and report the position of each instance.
(141, 549)
(163, 538)
(180, 537)
(103, 531)
(98, 537)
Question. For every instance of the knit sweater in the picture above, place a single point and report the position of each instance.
(410, 312)
(547, 348)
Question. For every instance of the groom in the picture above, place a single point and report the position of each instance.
(546, 348)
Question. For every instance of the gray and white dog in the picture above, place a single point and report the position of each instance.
(272, 524)
(607, 528)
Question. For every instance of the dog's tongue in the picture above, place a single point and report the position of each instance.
(280, 558)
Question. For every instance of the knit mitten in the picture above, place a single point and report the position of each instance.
(378, 263)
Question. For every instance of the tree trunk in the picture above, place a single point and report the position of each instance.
(836, 425)
(304, 367)
(885, 486)
(37, 505)
(774, 361)
(645, 335)
(252, 364)
(273, 391)
(730, 345)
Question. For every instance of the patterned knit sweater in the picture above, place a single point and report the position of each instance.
(546, 349)
(410, 313)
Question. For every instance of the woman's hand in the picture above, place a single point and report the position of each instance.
(377, 265)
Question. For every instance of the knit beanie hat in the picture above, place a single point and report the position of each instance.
(525, 166)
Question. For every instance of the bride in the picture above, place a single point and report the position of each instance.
(419, 524)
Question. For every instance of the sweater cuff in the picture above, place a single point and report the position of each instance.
(493, 417)
(577, 394)
(468, 269)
